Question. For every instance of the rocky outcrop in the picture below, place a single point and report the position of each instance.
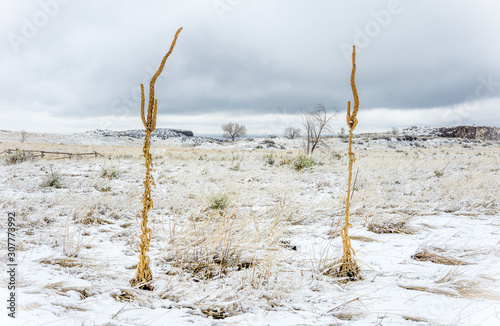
(464, 132)
(187, 133)
(471, 132)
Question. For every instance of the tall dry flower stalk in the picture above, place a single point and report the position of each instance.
(144, 277)
(349, 269)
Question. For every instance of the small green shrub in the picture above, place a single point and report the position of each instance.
(438, 173)
(235, 166)
(285, 161)
(269, 159)
(336, 156)
(54, 180)
(219, 202)
(302, 162)
(110, 172)
(17, 157)
(103, 189)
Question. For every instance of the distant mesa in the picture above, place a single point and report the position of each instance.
(161, 133)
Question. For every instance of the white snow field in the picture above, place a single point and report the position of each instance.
(242, 238)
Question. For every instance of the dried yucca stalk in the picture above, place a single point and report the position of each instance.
(144, 276)
(349, 269)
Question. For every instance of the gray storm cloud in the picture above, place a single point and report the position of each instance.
(83, 59)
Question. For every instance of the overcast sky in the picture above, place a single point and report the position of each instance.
(71, 66)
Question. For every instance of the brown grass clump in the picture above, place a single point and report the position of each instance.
(430, 289)
(216, 312)
(455, 284)
(144, 276)
(214, 246)
(467, 288)
(124, 296)
(391, 226)
(17, 157)
(428, 255)
(204, 265)
(362, 238)
(64, 262)
(348, 316)
(416, 319)
(70, 307)
(91, 220)
(84, 293)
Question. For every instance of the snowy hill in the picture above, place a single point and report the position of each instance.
(162, 133)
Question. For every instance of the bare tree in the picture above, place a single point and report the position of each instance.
(316, 123)
(395, 131)
(342, 132)
(292, 133)
(24, 136)
(233, 130)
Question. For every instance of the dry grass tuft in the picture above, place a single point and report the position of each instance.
(468, 288)
(430, 289)
(205, 266)
(345, 270)
(125, 295)
(216, 312)
(364, 239)
(54, 286)
(91, 216)
(349, 316)
(92, 220)
(17, 157)
(84, 293)
(428, 255)
(391, 226)
(455, 284)
(64, 262)
(70, 307)
(471, 289)
(416, 319)
(214, 243)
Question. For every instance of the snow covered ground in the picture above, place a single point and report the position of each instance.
(242, 238)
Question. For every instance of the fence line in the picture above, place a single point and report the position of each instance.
(43, 153)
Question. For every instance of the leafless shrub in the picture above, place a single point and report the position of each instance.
(316, 123)
(233, 130)
(341, 132)
(292, 133)
(24, 136)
